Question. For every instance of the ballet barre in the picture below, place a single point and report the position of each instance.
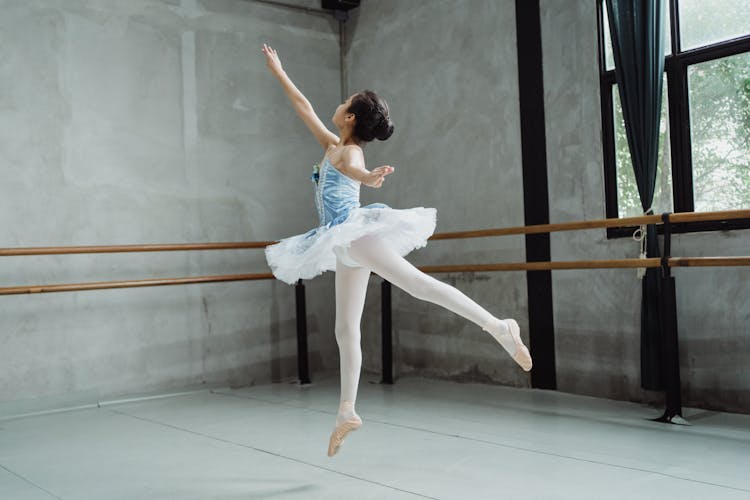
(650, 262)
(104, 285)
(303, 368)
(170, 247)
(671, 369)
(677, 218)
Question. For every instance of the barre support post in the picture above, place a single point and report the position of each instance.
(386, 333)
(670, 346)
(303, 368)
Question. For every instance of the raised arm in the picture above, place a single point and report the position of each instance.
(299, 102)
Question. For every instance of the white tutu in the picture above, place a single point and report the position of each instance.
(305, 256)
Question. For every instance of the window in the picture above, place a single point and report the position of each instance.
(719, 100)
(628, 202)
(704, 157)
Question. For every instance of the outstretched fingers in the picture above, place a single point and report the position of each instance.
(267, 49)
(272, 58)
(385, 170)
(380, 173)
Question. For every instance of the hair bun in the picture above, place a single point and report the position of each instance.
(384, 129)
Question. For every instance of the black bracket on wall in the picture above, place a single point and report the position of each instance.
(340, 8)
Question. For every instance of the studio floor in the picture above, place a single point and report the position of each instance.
(420, 439)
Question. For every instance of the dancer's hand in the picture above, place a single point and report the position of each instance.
(377, 176)
(272, 60)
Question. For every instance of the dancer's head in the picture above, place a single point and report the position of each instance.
(366, 116)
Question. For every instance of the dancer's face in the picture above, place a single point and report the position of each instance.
(342, 117)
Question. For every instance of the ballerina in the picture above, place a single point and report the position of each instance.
(354, 240)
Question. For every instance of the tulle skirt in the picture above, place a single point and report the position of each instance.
(307, 255)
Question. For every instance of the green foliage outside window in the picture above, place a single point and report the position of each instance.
(719, 94)
(628, 200)
(719, 108)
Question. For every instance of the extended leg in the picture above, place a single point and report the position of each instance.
(377, 255)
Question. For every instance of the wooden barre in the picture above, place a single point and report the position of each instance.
(545, 266)
(709, 261)
(592, 264)
(547, 228)
(103, 285)
(510, 266)
(6, 252)
(596, 224)
(708, 216)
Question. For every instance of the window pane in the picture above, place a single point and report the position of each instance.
(704, 23)
(719, 93)
(609, 57)
(628, 200)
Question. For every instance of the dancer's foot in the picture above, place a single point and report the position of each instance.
(347, 420)
(508, 334)
(340, 432)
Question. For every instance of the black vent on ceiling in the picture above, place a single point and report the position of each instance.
(339, 4)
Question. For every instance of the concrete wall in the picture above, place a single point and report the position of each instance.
(597, 313)
(154, 121)
(448, 70)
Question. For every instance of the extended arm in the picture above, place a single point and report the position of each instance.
(353, 165)
(299, 102)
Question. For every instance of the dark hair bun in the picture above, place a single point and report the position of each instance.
(372, 117)
(384, 130)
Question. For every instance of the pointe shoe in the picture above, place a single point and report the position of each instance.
(522, 355)
(340, 432)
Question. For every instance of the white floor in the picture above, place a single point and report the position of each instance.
(420, 439)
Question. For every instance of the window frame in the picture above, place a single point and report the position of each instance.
(676, 67)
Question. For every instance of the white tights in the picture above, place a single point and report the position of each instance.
(375, 255)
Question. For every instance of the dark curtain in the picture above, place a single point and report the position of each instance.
(637, 30)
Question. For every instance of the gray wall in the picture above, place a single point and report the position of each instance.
(597, 313)
(448, 70)
(154, 121)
